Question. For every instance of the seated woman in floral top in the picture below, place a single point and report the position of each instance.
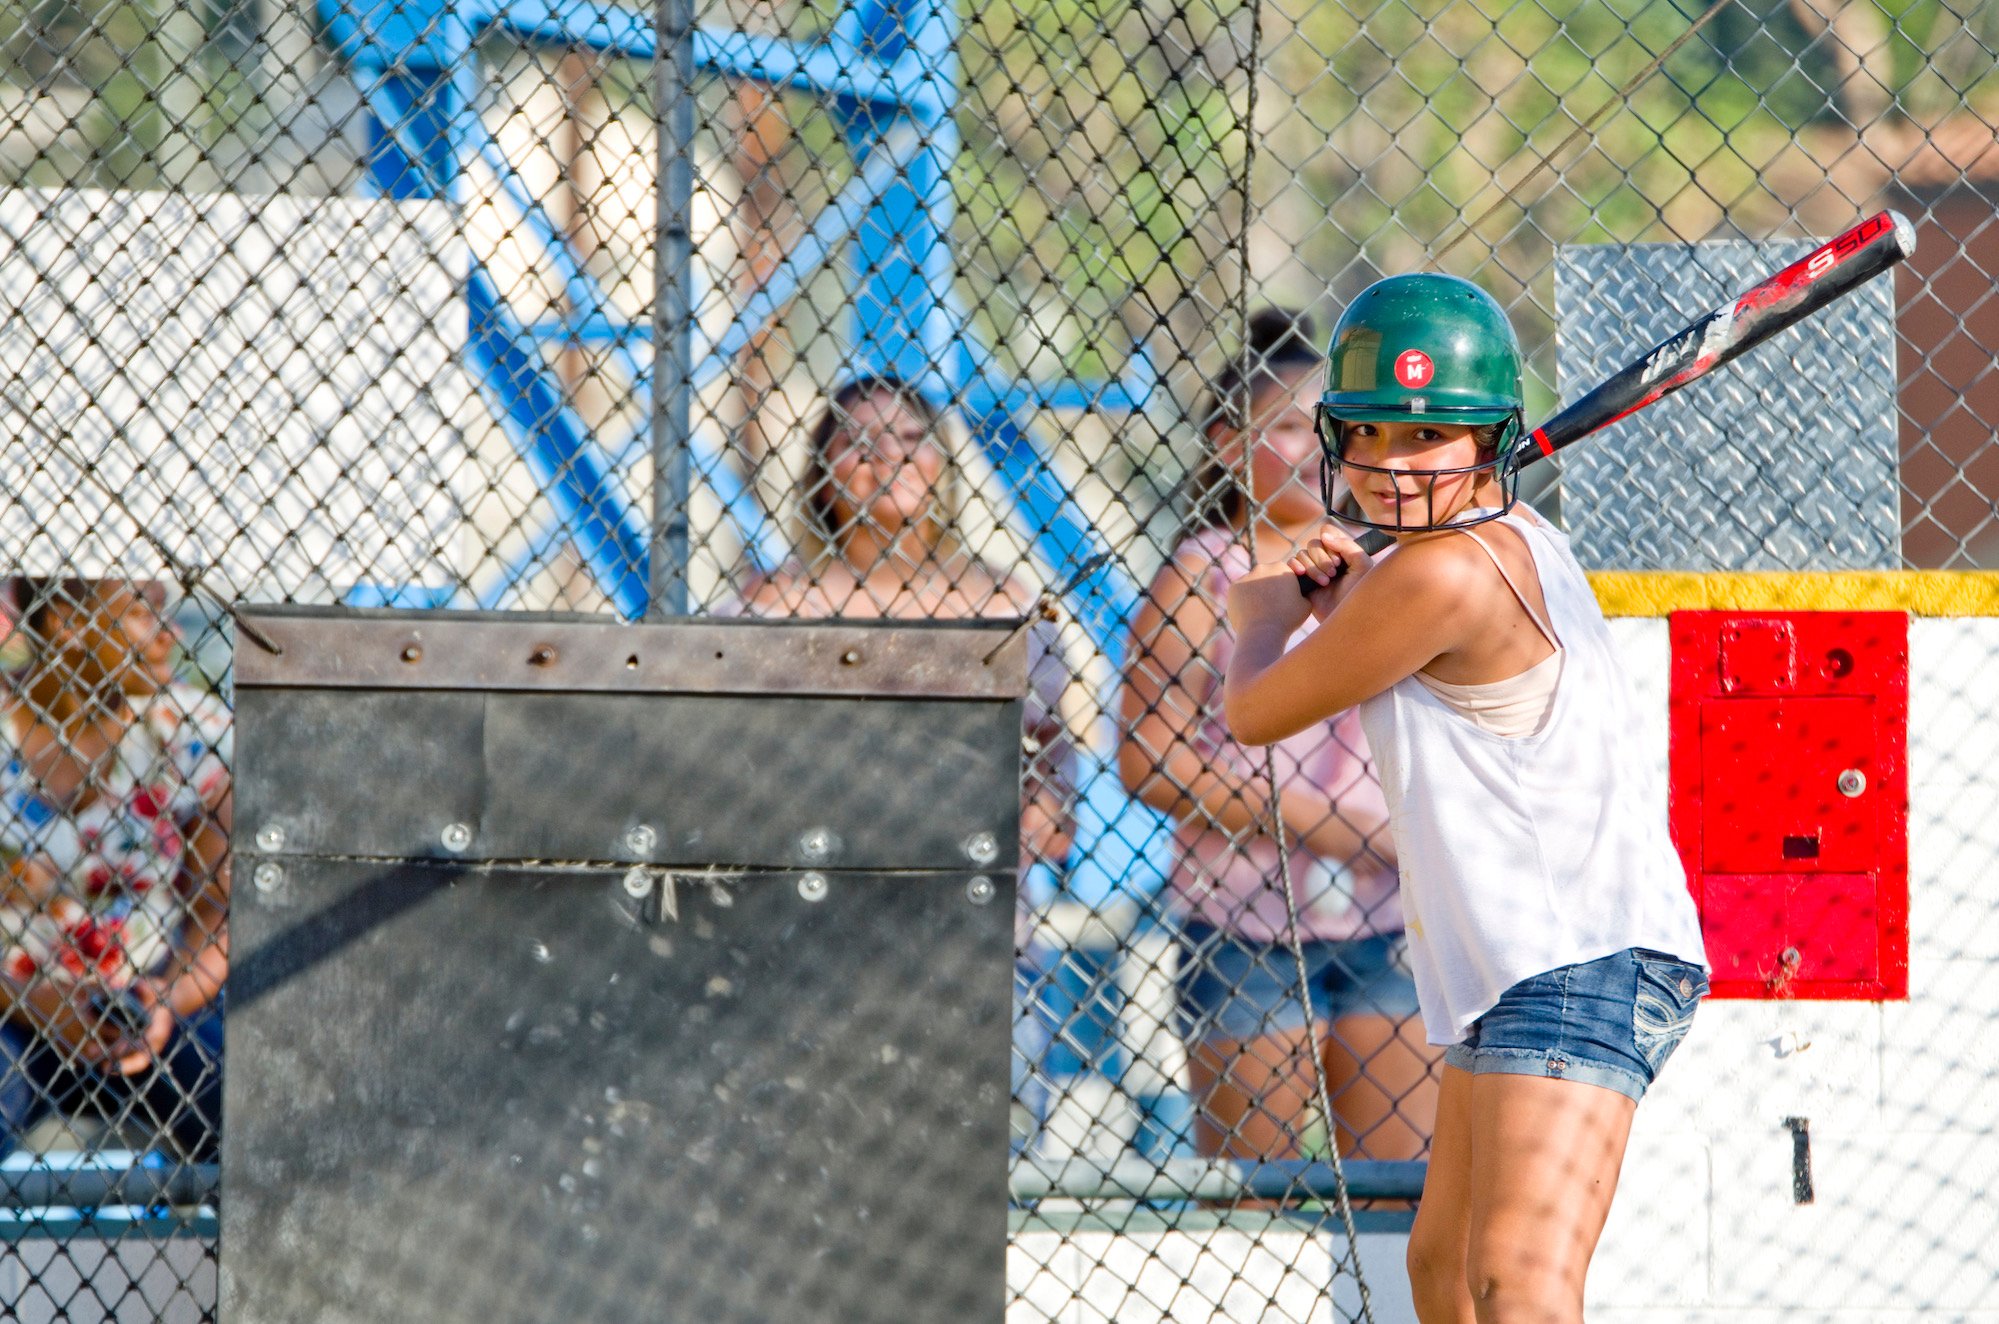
(114, 817)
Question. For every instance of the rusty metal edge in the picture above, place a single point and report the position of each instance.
(331, 648)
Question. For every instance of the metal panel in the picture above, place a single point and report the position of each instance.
(846, 783)
(1790, 798)
(469, 650)
(1785, 460)
(503, 1095)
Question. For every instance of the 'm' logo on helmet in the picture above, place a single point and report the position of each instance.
(1413, 368)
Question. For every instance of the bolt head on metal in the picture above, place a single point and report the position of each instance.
(268, 877)
(1790, 958)
(1852, 782)
(818, 843)
(812, 886)
(851, 658)
(270, 837)
(412, 653)
(638, 884)
(980, 891)
(641, 839)
(456, 836)
(981, 848)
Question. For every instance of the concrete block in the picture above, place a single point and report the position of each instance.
(1384, 1263)
(1953, 727)
(133, 1280)
(1222, 1274)
(1953, 874)
(1274, 1272)
(1940, 1050)
(1751, 1064)
(1042, 1269)
(1900, 1221)
(1675, 1315)
(1655, 1247)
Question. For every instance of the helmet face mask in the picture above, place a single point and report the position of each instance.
(1425, 349)
(1499, 464)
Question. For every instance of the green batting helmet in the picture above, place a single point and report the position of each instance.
(1425, 348)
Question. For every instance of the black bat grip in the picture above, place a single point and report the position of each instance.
(1374, 542)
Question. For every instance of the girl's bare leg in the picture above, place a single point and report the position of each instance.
(1442, 1232)
(1545, 1155)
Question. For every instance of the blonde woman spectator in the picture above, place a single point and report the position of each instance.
(880, 497)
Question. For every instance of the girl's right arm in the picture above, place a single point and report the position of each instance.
(1379, 622)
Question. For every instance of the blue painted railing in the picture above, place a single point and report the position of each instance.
(889, 74)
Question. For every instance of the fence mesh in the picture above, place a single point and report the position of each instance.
(908, 310)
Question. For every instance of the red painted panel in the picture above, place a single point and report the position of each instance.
(1770, 799)
(1746, 931)
(1758, 656)
(1802, 886)
(1789, 934)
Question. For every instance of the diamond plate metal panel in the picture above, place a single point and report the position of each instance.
(1784, 460)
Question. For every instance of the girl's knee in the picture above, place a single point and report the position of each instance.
(1519, 1279)
(1436, 1274)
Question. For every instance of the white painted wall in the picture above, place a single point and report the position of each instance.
(1903, 1101)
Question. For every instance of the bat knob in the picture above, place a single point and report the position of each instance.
(1307, 585)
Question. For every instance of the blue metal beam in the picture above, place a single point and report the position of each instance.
(819, 67)
(890, 70)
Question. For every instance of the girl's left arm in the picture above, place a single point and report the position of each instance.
(1381, 622)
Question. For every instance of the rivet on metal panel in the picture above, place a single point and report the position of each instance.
(981, 848)
(456, 836)
(812, 886)
(640, 840)
(638, 884)
(544, 655)
(819, 844)
(268, 877)
(270, 837)
(851, 658)
(980, 891)
(1852, 782)
(1790, 958)
(412, 652)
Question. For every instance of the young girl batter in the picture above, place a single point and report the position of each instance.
(1555, 947)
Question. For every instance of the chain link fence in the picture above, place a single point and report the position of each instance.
(895, 309)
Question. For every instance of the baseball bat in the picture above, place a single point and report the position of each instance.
(1836, 268)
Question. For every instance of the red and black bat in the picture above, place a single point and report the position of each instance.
(1839, 267)
(1793, 294)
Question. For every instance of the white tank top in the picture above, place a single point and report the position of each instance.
(1520, 704)
(1522, 854)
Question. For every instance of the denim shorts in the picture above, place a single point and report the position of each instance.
(1611, 1022)
(1235, 988)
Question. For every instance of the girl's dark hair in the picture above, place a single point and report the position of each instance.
(32, 599)
(31, 602)
(1279, 340)
(816, 479)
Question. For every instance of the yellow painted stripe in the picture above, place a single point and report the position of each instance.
(1918, 592)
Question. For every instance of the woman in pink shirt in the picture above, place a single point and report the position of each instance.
(1249, 1031)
